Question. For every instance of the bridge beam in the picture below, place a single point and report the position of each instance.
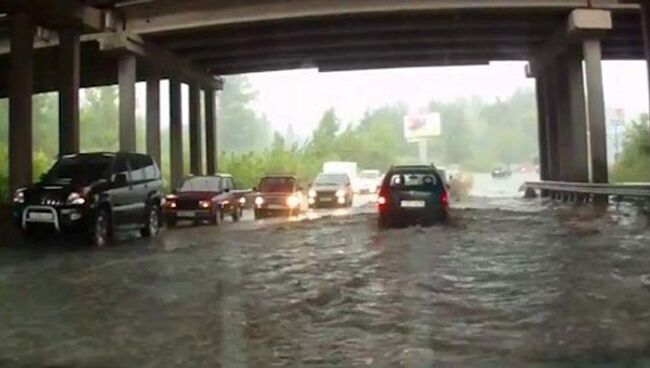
(196, 149)
(69, 81)
(210, 131)
(21, 77)
(175, 133)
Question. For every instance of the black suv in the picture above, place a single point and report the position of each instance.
(411, 194)
(96, 193)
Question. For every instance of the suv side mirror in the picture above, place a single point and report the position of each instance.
(120, 179)
(227, 190)
(254, 189)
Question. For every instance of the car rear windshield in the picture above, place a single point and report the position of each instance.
(415, 180)
(331, 179)
(277, 185)
(201, 184)
(80, 170)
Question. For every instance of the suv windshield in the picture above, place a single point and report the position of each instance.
(201, 184)
(80, 170)
(414, 180)
(331, 179)
(277, 184)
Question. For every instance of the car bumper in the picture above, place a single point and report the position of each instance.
(58, 218)
(416, 214)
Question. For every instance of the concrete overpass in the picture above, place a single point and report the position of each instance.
(102, 42)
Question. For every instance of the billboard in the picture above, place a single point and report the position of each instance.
(422, 126)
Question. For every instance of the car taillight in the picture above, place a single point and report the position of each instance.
(444, 199)
(381, 200)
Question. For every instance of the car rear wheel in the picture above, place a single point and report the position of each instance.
(152, 226)
(235, 215)
(216, 217)
(384, 222)
(170, 222)
(100, 229)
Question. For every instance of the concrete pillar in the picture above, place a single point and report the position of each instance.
(21, 75)
(596, 110)
(563, 111)
(210, 131)
(196, 150)
(542, 126)
(126, 81)
(68, 73)
(153, 117)
(552, 125)
(175, 133)
(578, 161)
(645, 22)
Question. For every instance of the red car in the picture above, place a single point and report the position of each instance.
(204, 198)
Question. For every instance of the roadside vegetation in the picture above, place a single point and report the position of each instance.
(634, 163)
(476, 134)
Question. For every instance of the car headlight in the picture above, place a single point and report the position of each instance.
(259, 201)
(312, 194)
(340, 193)
(204, 203)
(75, 199)
(19, 196)
(242, 200)
(293, 201)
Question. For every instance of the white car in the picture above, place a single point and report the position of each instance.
(369, 181)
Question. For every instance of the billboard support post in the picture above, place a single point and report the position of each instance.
(422, 144)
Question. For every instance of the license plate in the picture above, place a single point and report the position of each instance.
(185, 214)
(326, 199)
(412, 204)
(41, 216)
(275, 207)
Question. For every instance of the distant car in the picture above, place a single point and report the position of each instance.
(412, 194)
(204, 198)
(97, 193)
(331, 190)
(501, 171)
(369, 181)
(278, 195)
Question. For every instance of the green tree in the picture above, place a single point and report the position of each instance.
(635, 159)
(240, 129)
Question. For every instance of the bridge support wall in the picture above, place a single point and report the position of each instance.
(210, 131)
(153, 117)
(21, 77)
(69, 80)
(196, 147)
(126, 80)
(175, 133)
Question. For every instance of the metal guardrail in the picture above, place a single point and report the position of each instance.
(619, 190)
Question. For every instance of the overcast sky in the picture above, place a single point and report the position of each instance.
(299, 97)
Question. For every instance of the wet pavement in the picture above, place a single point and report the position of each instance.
(508, 283)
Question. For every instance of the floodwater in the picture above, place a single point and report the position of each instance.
(508, 283)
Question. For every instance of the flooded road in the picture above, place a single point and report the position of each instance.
(508, 283)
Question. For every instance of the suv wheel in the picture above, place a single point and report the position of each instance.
(152, 226)
(100, 229)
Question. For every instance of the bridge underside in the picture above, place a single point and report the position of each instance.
(73, 44)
